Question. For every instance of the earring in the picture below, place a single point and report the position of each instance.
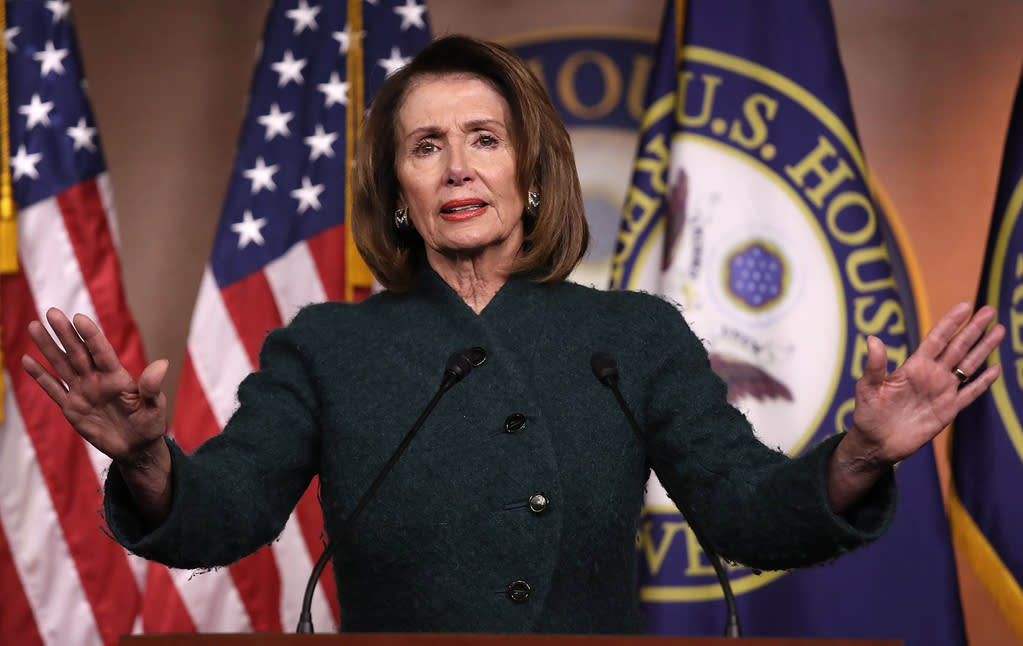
(533, 200)
(401, 221)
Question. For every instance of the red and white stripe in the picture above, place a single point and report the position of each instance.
(263, 592)
(63, 581)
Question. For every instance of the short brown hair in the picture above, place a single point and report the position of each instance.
(555, 238)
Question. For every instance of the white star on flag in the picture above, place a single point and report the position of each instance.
(289, 69)
(9, 35)
(320, 143)
(395, 62)
(411, 15)
(24, 163)
(304, 17)
(335, 91)
(82, 135)
(308, 196)
(50, 59)
(276, 122)
(59, 8)
(344, 39)
(37, 112)
(248, 230)
(261, 176)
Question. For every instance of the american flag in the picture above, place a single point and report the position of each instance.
(281, 243)
(62, 580)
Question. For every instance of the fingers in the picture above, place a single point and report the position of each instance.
(77, 354)
(83, 346)
(875, 368)
(53, 354)
(151, 380)
(960, 341)
(965, 339)
(101, 353)
(976, 386)
(52, 386)
(937, 340)
(83, 349)
(977, 352)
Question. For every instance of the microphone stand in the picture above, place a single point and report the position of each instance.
(605, 369)
(458, 366)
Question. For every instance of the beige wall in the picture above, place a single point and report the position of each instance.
(931, 82)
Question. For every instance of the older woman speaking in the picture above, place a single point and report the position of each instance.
(516, 507)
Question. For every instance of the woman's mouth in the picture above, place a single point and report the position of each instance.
(457, 210)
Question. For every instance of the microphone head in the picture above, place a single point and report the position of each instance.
(459, 365)
(604, 367)
(477, 356)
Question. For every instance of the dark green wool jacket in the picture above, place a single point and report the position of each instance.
(452, 527)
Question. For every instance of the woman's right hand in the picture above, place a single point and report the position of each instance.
(124, 418)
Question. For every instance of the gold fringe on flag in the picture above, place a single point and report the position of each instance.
(357, 274)
(8, 215)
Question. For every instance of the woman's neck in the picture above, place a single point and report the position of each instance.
(475, 278)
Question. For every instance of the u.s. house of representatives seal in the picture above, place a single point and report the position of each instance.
(751, 210)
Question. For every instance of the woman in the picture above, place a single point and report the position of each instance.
(516, 507)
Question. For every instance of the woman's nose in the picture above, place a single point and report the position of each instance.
(459, 170)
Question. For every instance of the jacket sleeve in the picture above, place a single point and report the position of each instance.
(757, 506)
(236, 492)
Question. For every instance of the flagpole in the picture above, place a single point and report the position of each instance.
(356, 271)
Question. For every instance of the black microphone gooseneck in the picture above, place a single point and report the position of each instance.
(605, 369)
(458, 366)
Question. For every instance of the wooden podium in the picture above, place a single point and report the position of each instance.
(440, 639)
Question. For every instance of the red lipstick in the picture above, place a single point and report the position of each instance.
(463, 209)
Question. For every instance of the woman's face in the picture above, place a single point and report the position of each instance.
(455, 162)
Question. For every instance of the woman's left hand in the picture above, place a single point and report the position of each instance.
(898, 413)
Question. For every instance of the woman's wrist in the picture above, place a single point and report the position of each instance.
(150, 457)
(855, 467)
(147, 474)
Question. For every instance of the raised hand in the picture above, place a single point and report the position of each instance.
(124, 418)
(119, 416)
(898, 413)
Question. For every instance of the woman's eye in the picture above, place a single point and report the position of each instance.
(424, 147)
(487, 140)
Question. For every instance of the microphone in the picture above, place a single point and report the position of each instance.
(605, 369)
(458, 366)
